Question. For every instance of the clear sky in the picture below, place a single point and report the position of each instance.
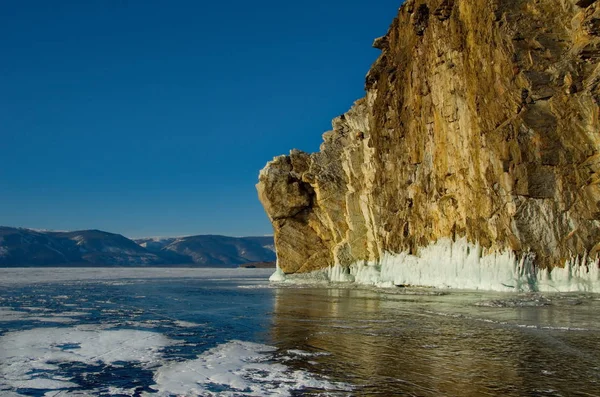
(154, 117)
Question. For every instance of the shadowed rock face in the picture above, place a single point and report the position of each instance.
(481, 119)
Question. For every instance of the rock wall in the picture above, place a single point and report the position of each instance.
(480, 122)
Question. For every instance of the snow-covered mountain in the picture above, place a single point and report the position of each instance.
(155, 243)
(213, 249)
(26, 247)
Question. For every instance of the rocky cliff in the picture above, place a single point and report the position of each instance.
(479, 134)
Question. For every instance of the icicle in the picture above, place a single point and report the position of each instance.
(463, 265)
(278, 276)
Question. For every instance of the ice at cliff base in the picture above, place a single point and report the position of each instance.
(461, 265)
(278, 276)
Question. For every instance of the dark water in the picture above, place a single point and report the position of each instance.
(226, 333)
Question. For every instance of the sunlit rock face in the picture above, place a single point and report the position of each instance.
(481, 121)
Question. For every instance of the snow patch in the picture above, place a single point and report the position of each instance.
(35, 359)
(3, 249)
(8, 315)
(30, 359)
(79, 239)
(186, 324)
(270, 247)
(237, 368)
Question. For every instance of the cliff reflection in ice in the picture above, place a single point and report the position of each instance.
(443, 344)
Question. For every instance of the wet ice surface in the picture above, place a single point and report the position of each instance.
(429, 343)
(199, 332)
(143, 332)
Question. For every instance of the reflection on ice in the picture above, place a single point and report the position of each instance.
(431, 345)
(192, 336)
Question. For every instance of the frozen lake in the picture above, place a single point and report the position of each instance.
(227, 332)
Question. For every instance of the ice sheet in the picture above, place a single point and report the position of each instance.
(12, 276)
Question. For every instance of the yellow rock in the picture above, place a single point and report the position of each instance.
(481, 120)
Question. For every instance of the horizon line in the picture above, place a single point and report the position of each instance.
(42, 230)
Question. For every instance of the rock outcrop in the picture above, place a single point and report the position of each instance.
(480, 123)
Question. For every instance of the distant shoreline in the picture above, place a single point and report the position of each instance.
(259, 265)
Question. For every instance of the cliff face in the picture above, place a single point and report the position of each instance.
(480, 123)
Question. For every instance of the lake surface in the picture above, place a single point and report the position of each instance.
(228, 332)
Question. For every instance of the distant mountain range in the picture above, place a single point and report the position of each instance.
(211, 249)
(26, 247)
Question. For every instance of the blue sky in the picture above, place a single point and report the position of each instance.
(153, 118)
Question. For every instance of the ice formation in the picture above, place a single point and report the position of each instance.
(33, 359)
(462, 265)
(29, 358)
(236, 368)
(279, 275)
